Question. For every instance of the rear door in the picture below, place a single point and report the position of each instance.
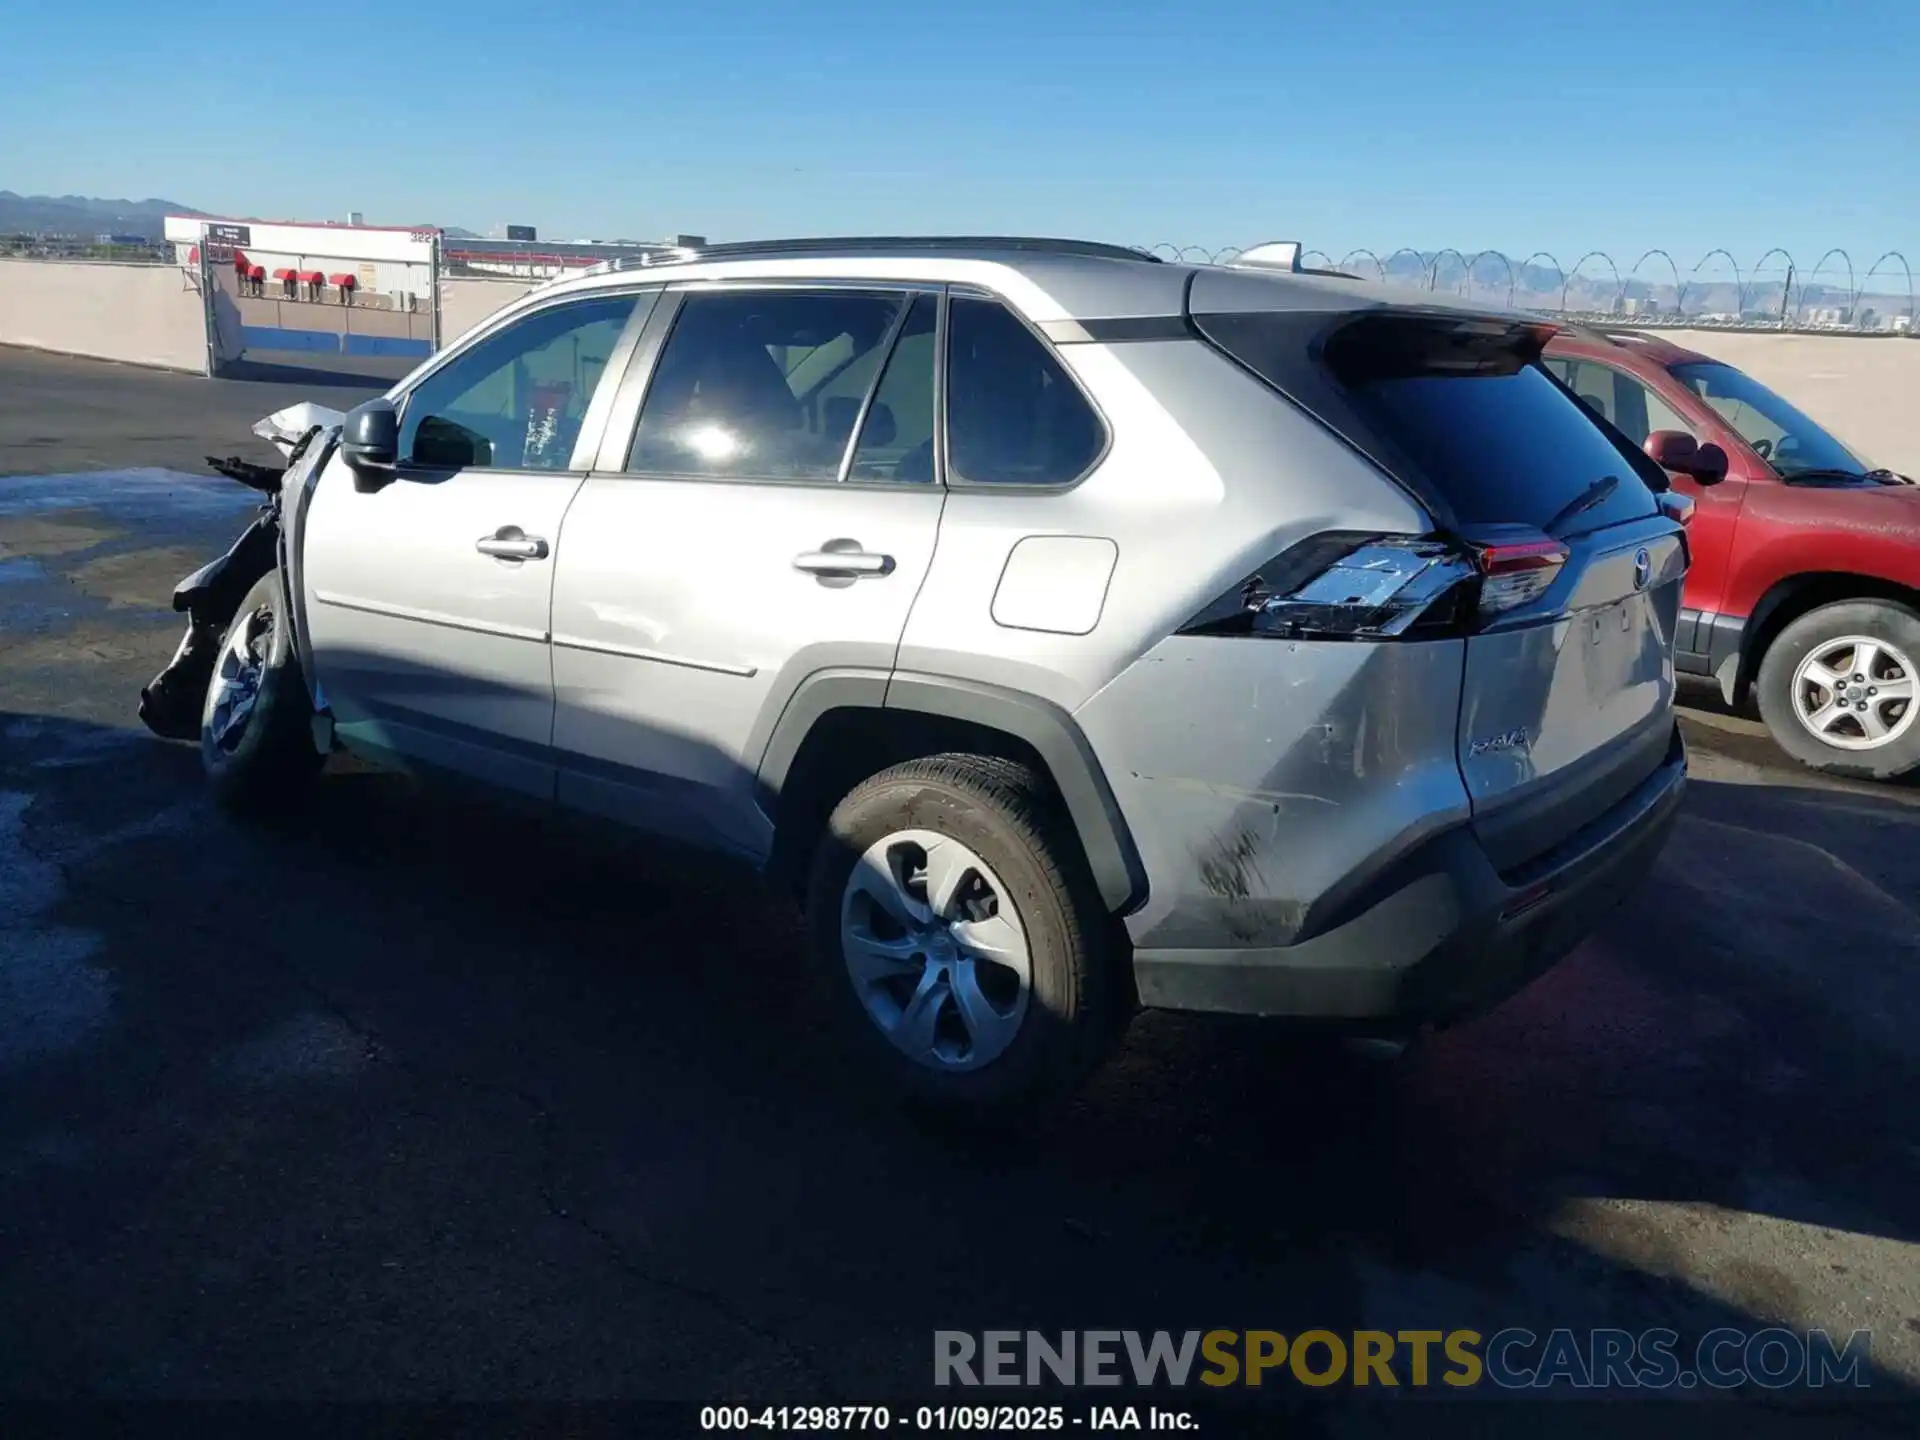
(771, 513)
(1567, 700)
(1567, 691)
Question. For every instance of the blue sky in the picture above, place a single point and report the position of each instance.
(1620, 125)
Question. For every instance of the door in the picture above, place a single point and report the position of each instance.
(428, 600)
(772, 515)
(1637, 409)
(1567, 692)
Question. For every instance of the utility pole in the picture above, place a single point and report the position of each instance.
(1786, 294)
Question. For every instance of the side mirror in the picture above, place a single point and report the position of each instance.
(1675, 450)
(1709, 464)
(370, 444)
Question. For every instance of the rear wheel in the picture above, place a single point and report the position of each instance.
(961, 937)
(1837, 689)
(256, 727)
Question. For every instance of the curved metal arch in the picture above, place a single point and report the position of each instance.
(1433, 267)
(1382, 269)
(1905, 269)
(1206, 256)
(1306, 255)
(1634, 273)
(1501, 257)
(1853, 295)
(1404, 250)
(1173, 250)
(1759, 264)
(1739, 286)
(1567, 281)
(1558, 269)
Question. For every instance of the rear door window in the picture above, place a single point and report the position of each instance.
(896, 440)
(1628, 403)
(764, 384)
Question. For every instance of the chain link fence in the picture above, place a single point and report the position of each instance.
(1775, 291)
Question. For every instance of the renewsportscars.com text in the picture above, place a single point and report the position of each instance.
(1514, 1358)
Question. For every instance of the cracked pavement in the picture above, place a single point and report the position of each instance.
(405, 1096)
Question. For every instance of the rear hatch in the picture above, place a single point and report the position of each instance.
(1567, 695)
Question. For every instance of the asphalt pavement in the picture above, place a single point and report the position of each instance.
(404, 1097)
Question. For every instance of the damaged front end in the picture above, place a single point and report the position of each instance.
(171, 703)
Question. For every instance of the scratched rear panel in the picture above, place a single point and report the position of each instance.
(1345, 758)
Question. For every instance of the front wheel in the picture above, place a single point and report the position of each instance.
(962, 939)
(256, 726)
(1836, 689)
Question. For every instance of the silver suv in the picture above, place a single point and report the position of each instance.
(1070, 631)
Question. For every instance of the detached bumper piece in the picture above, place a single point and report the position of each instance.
(170, 704)
(1444, 936)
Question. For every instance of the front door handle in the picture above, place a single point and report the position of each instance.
(509, 542)
(834, 563)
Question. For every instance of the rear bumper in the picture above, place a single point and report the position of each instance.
(1444, 936)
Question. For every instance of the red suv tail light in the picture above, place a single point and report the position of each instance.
(1387, 587)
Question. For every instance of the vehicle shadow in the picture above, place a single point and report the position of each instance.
(642, 1023)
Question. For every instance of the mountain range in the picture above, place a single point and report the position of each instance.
(85, 215)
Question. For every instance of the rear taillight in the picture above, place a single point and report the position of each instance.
(1387, 587)
(1516, 571)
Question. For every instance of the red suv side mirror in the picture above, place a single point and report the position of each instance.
(1677, 451)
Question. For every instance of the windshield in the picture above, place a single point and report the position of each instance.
(1780, 435)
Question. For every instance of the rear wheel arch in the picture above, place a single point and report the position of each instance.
(842, 726)
(1796, 595)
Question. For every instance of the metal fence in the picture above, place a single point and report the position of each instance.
(1773, 292)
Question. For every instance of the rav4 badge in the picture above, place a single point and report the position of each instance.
(1506, 740)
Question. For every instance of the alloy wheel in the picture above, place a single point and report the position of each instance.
(1855, 693)
(935, 950)
(237, 677)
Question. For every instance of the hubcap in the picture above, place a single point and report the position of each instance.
(1855, 693)
(236, 678)
(935, 950)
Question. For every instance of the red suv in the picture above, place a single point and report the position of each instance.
(1805, 586)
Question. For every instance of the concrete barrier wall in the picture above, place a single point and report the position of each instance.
(142, 314)
(465, 302)
(1864, 389)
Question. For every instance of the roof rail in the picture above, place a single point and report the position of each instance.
(882, 244)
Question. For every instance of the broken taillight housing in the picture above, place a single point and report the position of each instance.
(1388, 587)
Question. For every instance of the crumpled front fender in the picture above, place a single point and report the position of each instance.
(286, 427)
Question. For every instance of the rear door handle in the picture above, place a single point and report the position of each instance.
(855, 564)
(511, 543)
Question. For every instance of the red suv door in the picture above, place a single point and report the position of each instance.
(1639, 400)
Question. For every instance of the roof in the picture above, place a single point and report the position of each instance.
(1050, 279)
(1654, 349)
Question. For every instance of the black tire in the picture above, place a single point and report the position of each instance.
(1887, 621)
(270, 758)
(1076, 1008)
